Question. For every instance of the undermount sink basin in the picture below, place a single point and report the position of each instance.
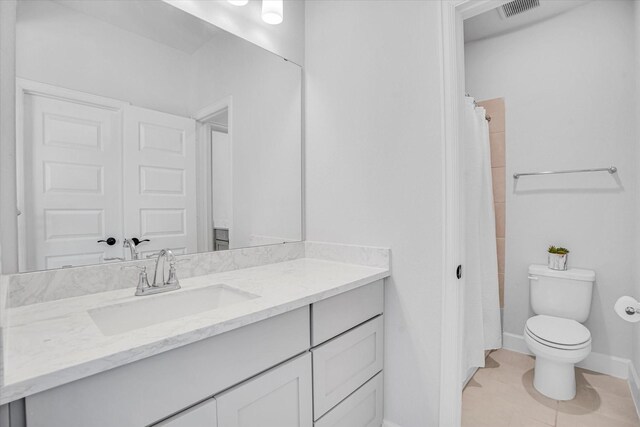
(150, 310)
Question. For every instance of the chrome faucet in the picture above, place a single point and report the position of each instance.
(170, 284)
(128, 243)
(132, 244)
(165, 254)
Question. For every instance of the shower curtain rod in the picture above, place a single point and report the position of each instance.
(611, 170)
(486, 116)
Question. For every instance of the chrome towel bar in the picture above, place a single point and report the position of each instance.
(611, 170)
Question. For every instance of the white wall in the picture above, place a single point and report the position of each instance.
(285, 39)
(60, 46)
(568, 85)
(265, 128)
(8, 195)
(636, 329)
(374, 171)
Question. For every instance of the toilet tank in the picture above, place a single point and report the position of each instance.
(564, 294)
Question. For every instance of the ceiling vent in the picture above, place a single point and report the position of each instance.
(517, 7)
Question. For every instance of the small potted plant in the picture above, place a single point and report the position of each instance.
(558, 258)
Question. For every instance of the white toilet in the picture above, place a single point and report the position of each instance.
(561, 301)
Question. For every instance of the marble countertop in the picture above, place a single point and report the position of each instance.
(56, 342)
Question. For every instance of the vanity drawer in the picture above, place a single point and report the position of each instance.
(201, 415)
(337, 314)
(345, 363)
(362, 409)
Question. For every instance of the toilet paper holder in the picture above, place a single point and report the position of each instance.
(628, 308)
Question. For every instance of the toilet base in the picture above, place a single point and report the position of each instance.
(556, 380)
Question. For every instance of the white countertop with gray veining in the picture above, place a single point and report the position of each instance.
(56, 342)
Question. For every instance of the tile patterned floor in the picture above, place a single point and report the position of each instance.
(502, 395)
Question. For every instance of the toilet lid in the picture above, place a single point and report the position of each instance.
(559, 331)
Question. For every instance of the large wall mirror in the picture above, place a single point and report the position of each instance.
(141, 127)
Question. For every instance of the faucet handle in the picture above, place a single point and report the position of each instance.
(173, 278)
(143, 281)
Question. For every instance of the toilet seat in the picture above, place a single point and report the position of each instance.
(557, 332)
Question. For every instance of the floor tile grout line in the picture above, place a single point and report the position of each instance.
(502, 362)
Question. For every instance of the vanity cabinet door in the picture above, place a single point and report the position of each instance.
(343, 364)
(280, 397)
(200, 415)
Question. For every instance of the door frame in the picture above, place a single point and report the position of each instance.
(26, 87)
(204, 172)
(454, 12)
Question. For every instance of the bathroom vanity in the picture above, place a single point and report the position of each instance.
(293, 343)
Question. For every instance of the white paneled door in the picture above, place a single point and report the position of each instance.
(72, 185)
(160, 180)
(88, 172)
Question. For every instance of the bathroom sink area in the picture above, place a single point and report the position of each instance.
(267, 307)
(150, 310)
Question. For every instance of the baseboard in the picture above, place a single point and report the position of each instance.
(386, 423)
(597, 362)
(605, 364)
(515, 343)
(634, 386)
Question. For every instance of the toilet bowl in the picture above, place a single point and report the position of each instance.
(558, 345)
(561, 301)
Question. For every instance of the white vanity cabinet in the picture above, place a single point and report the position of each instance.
(316, 366)
(347, 336)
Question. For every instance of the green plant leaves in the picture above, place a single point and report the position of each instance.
(559, 250)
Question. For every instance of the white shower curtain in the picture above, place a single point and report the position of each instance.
(482, 329)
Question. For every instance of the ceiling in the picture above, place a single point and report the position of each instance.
(155, 20)
(490, 24)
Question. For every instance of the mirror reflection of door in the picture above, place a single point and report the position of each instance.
(96, 173)
(71, 173)
(160, 180)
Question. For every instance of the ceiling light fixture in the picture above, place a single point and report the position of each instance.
(238, 2)
(272, 11)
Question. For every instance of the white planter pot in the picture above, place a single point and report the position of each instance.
(558, 261)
